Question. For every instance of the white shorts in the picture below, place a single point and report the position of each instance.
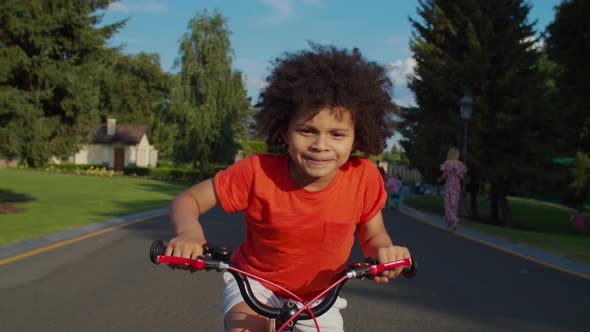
(331, 321)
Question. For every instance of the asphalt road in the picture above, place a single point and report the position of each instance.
(106, 283)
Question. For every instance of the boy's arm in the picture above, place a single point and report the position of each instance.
(185, 211)
(376, 243)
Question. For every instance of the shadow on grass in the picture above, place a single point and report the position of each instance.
(172, 188)
(129, 208)
(7, 195)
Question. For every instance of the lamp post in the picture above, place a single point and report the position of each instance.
(466, 107)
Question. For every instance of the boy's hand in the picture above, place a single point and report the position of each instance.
(389, 254)
(187, 245)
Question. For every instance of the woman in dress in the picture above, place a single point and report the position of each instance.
(453, 170)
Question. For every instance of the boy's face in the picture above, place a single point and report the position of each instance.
(319, 145)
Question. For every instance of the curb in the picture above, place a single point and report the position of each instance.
(29, 247)
(532, 254)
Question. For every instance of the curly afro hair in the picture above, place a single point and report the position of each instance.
(327, 76)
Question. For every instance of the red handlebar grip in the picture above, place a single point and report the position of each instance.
(376, 269)
(198, 263)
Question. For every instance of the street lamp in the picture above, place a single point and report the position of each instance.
(466, 107)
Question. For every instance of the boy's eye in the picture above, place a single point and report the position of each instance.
(305, 131)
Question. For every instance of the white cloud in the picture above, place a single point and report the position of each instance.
(254, 73)
(400, 69)
(254, 84)
(536, 43)
(314, 2)
(144, 6)
(283, 10)
(118, 7)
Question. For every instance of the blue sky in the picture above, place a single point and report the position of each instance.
(261, 30)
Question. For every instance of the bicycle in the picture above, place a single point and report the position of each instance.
(218, 258)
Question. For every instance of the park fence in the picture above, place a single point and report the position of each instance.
(407, 174)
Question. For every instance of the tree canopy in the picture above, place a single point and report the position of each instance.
(52, 55)
(59, 79)
(208, 101)
(568, 45)
(486, 49)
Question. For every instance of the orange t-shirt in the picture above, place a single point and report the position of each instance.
(296, 238)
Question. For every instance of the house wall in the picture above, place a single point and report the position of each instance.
(407, 174)
(142, 154)
(8, 163)
(142, 151)
(97, 154)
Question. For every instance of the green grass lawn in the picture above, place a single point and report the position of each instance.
(56, 202)
(541, 225)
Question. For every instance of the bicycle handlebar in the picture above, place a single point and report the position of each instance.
(218, 258)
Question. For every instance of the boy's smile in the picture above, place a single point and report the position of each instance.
(319, 145)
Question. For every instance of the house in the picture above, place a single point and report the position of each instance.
(119, 145)
(407, 174)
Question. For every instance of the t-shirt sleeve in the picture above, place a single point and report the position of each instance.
(233, 185)
(375, 194)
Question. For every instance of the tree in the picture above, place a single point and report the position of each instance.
(136, 90)
(208, 99)
(395, 155)
(486, 49)
(51, 56)
(580, 171)
(568, 45)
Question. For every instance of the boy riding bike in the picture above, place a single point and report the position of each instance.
(321, 105)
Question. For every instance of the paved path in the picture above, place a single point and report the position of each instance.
(105, 282)
(536, 255)
(30, 247)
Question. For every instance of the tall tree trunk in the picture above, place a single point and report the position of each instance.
(473, 192)
(505, 212)
(494, 206)
(202, 170)
(500, 210)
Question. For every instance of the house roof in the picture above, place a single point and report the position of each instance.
(124, 133)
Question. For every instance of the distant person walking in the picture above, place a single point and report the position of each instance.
(453, 170)
(391, 183)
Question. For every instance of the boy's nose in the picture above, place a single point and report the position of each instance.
(320, 143)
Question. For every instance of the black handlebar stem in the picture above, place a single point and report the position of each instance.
(250, 299)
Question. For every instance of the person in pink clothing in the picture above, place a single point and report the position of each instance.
(453, 171)
(391, 183)
(579, 220)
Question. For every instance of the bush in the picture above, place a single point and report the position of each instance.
(252, 147)
(137, 171)
(157, 173)
(96, 170)
(71, 167)
(174, 174)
